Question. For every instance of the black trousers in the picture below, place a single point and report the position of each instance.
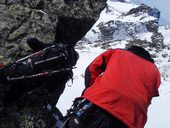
(95, 117)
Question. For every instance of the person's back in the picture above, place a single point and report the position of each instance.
(123, 84)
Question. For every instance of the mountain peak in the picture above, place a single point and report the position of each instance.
(127, 21)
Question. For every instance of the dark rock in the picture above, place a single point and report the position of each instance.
(152, 26)
(158, 41)
(145, 9)
(50, 21)
(29, 117)
(47, 20)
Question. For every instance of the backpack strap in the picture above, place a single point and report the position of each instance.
(76, 113)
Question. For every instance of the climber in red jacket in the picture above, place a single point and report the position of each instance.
(120, 84)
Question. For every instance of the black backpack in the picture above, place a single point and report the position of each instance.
(52, 63)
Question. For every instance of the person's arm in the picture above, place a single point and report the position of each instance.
(97, 67)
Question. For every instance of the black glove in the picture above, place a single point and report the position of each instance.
(35, 44)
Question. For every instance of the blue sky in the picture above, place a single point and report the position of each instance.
(161, 5)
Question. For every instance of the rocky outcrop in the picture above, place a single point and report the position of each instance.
(130, 25)
(144, 9)
(118, 30)
(50, 21)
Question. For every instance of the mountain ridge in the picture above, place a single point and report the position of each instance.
(128, 22)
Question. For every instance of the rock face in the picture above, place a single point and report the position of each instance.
(131, 23)
(50, 21)
(57, 21)
(119, 29)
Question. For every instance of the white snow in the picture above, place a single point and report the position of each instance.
(121, 7)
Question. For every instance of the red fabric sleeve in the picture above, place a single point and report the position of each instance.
(97, 67)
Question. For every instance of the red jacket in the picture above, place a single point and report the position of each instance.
(123, 84)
